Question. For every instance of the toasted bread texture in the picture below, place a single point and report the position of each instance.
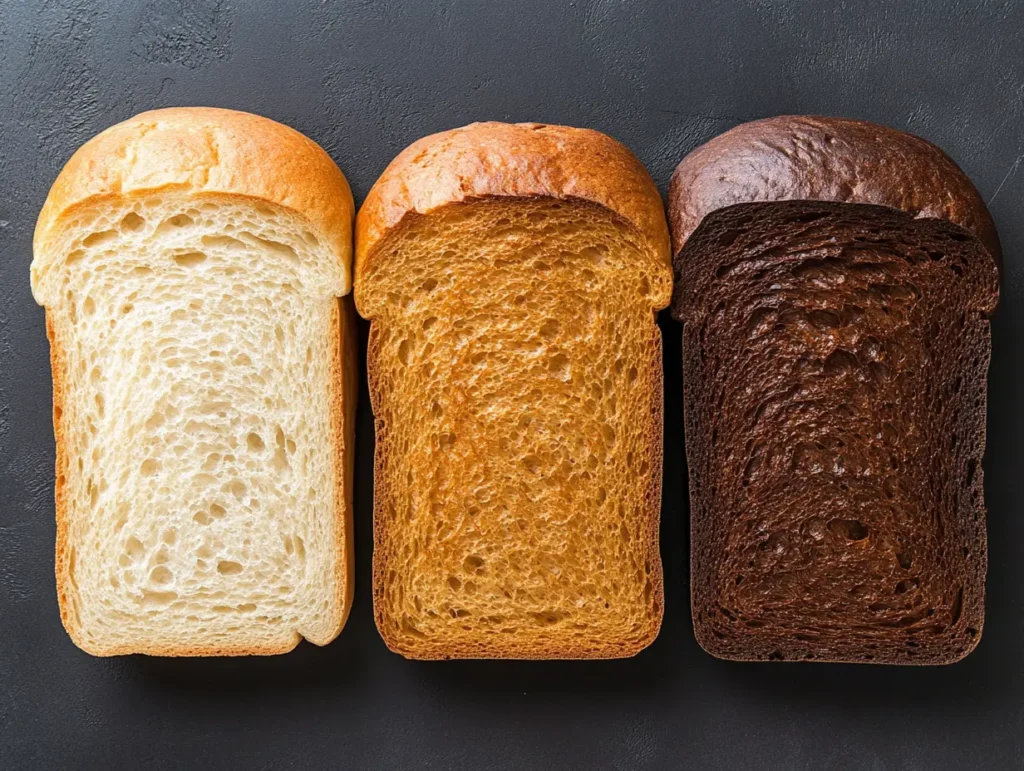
(835, 359)
(515, 376)
(204, 387)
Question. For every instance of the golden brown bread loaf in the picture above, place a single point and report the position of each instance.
(834, 279)
(512, 274)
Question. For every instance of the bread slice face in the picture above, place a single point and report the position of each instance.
(204, 396)
(515, 377)
(835, 358)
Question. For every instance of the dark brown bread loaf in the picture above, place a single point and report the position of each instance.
(834, 279)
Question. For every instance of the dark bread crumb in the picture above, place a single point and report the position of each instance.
(835, 359)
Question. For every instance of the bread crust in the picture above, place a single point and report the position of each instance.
(203, 150)
(344, 397)
(802, 157)
(522, 160)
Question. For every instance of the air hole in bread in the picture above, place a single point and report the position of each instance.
(957, 608)
(178, 221)
(840, 362)
(132, 222)
(558, 366)
(151, 598)
(849, 529)
(190, 259)
(222, 242)
(100, 238)
(275, 247)
(228, 567)
(907, 585)
(972, 469)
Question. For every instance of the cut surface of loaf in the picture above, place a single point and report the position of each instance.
(835, 359)
(515, 375)
(516, 382)
(834, 279)
(203, 400)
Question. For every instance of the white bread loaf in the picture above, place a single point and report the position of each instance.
(190, 262)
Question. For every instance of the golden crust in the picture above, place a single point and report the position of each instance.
(521, 160)
(803, 157)
(203, 150)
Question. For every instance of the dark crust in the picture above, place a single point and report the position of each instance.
(793, 157)
(746, 254)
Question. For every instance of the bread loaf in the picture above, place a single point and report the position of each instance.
(512, 274)
(835, 280)
(190, 262)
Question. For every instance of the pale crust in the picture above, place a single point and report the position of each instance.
(343, 421)
(796, 157)
(521, 160)
(205, 150)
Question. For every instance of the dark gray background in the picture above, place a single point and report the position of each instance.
(364, 79)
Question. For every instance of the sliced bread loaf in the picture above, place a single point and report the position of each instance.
(190, 262)
(512, 274)
(834, 279)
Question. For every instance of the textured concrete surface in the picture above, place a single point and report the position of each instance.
(364, 79)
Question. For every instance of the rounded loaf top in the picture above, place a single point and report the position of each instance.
(205, 150)
(793, 157)
(525, 160)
